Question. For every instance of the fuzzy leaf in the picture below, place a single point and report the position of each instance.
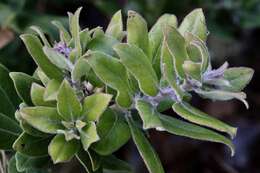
(138, 64)
(194, 115)
(195, 23)
(37, 92)
(81, 68)
(176, 44)
(223, 95)
(41, 34)
(84, 39)
(45, 119)
(57, 59)
(34, 47)
(64, 34)
(61, 150)
(68, 104)
(113, 133)
(137, 32)
(95, 105)
(145, 149)
(113, 73)
(153, 119)
(192, 69)
(156, 32)
(115, 26)
(238, 78)
(168, 72)
(88, 135)
(103, 43)
(75, 30)
(31, 146)
(22, 83)
(51, 90)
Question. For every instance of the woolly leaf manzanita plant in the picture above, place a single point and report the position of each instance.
(92, 90)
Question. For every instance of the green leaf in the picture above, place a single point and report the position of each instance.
(177, 48)
(9, 131)
(34, 47)
(238, 78)
(41, 34)
(195, 23)
(223, 95)
(61, 150)
(113, 73)
(68, 104)
(115, 26)
(137, 32)
(192, 69)
(153, 119)
(6, 106)
(81, 68)
(75, 30)
(45, 119)
(7, 85)
(24, 162)
(94, 105)
(31, 145)
(88, 135)
(114, 164)
(89, 160)
(84, 39)
(31, 130)
(37, 92)
(133, 58)
(51, 90)
(57, 59)
(64, 34)
(200, 47)
(168, 72)
(12, 166)
(156, 32)
(22, 83)
(145, 149)
(102, 42)
(42, 76)
(113, 133)
(194, 115)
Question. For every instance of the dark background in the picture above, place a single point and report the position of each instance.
(234, 37)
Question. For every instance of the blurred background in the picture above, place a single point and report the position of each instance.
(234, 27)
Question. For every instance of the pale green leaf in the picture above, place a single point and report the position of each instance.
(138, 64)
(81, 68)
(194, 115)
(94, 105)
(45, 119)
(68, 103)
(88, 135)
(145, 149)
(61, 150)
(37, 92)
(115, 26)
(195, 23)
(177, 48)
(51, 90)
(113, 73)
(34, 47)
(137, 32)
(41, 34)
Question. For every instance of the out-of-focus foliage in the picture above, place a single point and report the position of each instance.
(16, 16)
(224, 17)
